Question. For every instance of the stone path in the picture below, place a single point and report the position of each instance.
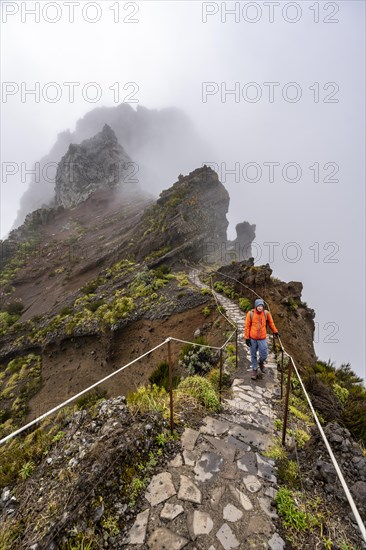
(217, 493)
(232, 311)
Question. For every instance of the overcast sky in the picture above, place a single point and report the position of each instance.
(293, 130)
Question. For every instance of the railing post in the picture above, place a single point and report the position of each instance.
(281, 373)
(236, 349)
(286, 401)
(170, 386)
(220, 379)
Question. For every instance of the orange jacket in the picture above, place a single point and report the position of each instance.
(256, 328)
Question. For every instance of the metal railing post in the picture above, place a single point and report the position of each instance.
(220, 379)
(236, 349)
(282, 372)
(170, 386)
(286, 402)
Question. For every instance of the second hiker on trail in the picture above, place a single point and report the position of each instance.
(255, 333)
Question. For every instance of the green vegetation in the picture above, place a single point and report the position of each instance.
(160, 376)
(306, 519)
(145, 283)
(230, 361)
(226, 289)
(161, 439)
(91, 310)
(27, 469)
(158, 253)
(245, 304)
(10, 315)
(96, 309)
(206, 311)
(6, 321)
(297, 514)
(20, 380)
(197, 359)
(20, 455)
(141, 479)
(119, 269)
(91, 286)
(149, 398)
(201, 389)
(90, 399)
(305, 516)
(81, 541)
(17, 260)
(192, 392)
(205, 290)
(278, 424)
(15, 307)
(276, 451)
(158, 217)
(110, 524)
(182, 278)
(214, 377)
(339, 390)
(292, 304)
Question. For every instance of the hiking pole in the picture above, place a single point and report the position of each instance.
(286, 402)
(170, 386)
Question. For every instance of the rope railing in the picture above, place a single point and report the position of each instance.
(71, 399)
(292, 366)
(96, 384)
(167, 341)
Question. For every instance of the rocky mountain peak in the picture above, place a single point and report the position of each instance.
(153, 138)
(96, 163)
(188, 219)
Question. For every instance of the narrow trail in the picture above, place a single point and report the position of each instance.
(217, 493)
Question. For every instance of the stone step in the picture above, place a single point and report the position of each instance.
(218, 490)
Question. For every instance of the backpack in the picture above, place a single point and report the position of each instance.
(252, 313)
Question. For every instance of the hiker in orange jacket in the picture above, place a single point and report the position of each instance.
(255, 333)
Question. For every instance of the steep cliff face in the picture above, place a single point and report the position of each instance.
(187, 219)
(96, 163)
(155, 140)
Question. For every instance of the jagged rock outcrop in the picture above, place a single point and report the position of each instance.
(188, 220)
(96, 163)
(350, 458)
(241, 248)
(154, 138)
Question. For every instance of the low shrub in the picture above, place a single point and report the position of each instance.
(148, 399)
(245, 304)
(206, 311)
(214, 377)
(197, 359)
(202, 390)
(160, 376)
(14, 308)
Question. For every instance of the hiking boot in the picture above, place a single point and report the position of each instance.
(254, 374)
(261, 365)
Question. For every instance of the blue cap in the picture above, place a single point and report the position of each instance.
(259, 302)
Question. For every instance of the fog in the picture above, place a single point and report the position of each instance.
(275, 92)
